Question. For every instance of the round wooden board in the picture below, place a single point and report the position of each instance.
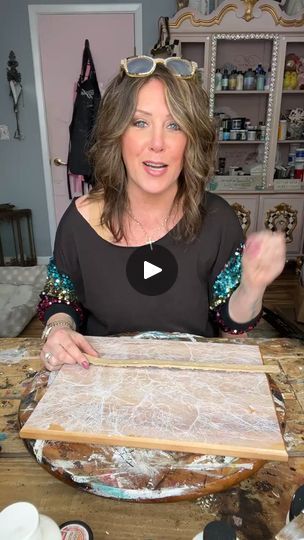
(136, 474)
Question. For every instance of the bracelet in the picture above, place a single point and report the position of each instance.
(51, 325)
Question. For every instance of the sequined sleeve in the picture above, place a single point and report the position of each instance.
(224, 285)
(59, 295)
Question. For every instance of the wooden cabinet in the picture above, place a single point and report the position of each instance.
(246, 208)
(275, 212)
(238, 36)
(278, 212)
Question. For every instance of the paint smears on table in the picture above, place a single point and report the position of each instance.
(13, 356)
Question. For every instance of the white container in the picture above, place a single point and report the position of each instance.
(239, 81)
(299, 170)
(251, 135)
(262, 133)
(22, 521)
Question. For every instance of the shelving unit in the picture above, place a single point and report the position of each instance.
(242, 35)
(291, 141)
(244, 92)
(243, 142)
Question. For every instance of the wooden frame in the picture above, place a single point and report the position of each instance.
(178, 410)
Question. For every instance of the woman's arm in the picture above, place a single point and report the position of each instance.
(263, 260)
(60, 307)
(62, 312)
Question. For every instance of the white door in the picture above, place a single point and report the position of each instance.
(59, 38)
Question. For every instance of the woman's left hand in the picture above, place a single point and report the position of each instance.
(263, 259)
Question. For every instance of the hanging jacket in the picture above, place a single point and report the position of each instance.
(84, 115)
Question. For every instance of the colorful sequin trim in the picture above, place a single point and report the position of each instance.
(228, 279)
(58, 289)
(236, 331)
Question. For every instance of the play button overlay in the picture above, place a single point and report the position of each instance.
(151, 272)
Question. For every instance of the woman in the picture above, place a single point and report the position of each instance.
(153, 152)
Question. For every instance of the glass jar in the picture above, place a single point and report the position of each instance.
(232, 80)
(262, 132)
(249, 80)
(260, 81)
(251, 134)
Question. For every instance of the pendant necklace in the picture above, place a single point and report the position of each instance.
(149, 239)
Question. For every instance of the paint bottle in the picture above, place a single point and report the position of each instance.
(249, 80)
(218, 80)
(232, 80)
(299, 164)
(282, 130)
(260, 81)
(262, 131)
(299, 170)
(239, 81)
(259, 69)
(225, 80)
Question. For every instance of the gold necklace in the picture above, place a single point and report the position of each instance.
(149, 239)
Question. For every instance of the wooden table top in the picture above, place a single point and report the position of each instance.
(256, 508)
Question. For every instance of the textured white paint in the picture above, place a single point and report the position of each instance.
(234, 411)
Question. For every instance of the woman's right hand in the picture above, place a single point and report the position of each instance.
(65, 346)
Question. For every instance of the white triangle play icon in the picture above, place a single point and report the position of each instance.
(151, 270)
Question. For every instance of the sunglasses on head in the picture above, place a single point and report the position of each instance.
(142, 66)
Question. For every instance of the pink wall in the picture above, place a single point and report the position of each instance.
(61, 40)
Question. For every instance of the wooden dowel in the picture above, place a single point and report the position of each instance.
(172, 364)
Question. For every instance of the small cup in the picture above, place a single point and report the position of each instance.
(21, 521)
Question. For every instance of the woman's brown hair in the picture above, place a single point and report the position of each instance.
(188, 105)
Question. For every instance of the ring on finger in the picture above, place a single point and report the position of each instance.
(48, 356)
